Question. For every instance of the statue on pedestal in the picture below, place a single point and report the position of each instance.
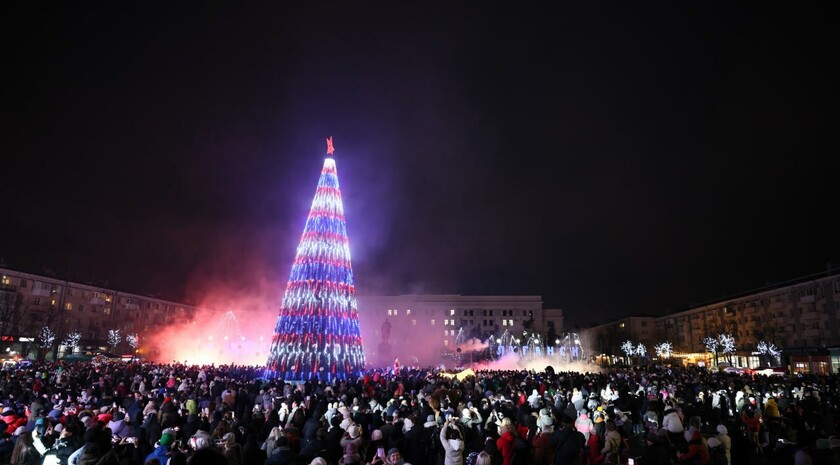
(385, 334)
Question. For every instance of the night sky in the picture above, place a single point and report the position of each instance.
(622, 160)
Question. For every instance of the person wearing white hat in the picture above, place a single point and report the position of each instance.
(725, 441)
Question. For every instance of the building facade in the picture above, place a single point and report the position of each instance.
(423, 326)
(65, 307)
(801, 317)
(608, 337)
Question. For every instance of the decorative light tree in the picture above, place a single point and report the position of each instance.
(114, 338)
(46, 338)
(629, 349)
(132, 340)
(71, 341)
(663, 350)
(641, 351)
(712, 345)
(768, 351)
(727, 345)
(317, 333)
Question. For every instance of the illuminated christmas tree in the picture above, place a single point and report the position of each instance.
(317, 333)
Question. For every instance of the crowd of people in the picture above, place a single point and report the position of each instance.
(153, 414)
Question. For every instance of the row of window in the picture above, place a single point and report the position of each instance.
(485, 312)
(37, 285)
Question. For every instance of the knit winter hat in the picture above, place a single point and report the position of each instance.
(166, 440)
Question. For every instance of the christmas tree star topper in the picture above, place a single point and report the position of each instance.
(330, 148)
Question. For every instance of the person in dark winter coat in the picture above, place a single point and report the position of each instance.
(61, 449)
(567, 444)
(282, 455)
(251, 451)
(413, 447)
(316, 447)
(656, 451)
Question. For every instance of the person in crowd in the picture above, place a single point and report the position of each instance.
(453, 443)
(723, 438)
(121, 413)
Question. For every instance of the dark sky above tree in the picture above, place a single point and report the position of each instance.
(616, 160)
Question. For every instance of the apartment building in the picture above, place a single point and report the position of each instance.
(800, 316)
(800, 313)
(433, 321)
(65, 306)
(607, 338)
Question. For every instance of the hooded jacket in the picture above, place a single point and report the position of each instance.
(584, 425)
(671, 421)
(119, 428)
(454, 449)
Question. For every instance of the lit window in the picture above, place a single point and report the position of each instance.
(390, 312)
(395, 312)
(621, 325)
(52, 302)
(446, 342)
(413, 322)
(504, 322)
(107, 310)
(510, 322)
(446, 332)
(433, 322)
(6, 280)
(452, 312)
(408, 312)
(68, 306)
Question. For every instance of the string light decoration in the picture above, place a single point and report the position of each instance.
(663, 349)
(46, 338)
(641, 351)
(712, 344)
(114, 337)
(768, 348)
(72, 340)
(727, 343)
(628, 348)
(317, 334)
(132, 340)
